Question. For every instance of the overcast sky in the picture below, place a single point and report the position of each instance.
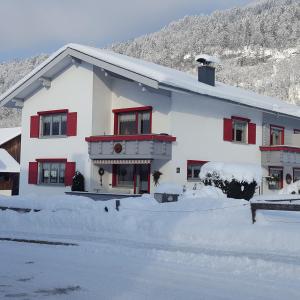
(30, 27)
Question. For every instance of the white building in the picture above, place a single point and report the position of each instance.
(88, 109)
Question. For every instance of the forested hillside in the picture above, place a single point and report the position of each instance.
(259, 46)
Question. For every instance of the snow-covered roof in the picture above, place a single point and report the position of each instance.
(7, 163)
(164, 77)
(7, 134)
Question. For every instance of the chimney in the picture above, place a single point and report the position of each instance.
(206, 69)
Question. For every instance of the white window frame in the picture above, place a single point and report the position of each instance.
(234, 129)
(51, 116)
(61, 166)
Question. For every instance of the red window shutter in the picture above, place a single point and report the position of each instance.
(34, 126)
(33, 173)
(72, 124)
(227, 133)
(69, 173)
(252, 133)
(282, 137)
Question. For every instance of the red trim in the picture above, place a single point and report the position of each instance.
(72, 124)
(131, 109)
(282, 134)
(149, 175)
(116, 124)
(50, 112)
(138, 137)
(280, 148)
(35, 126)
(196, 162)
(240, 118)
(33, 173)
(227, 130)
(61, 160)
(281, 168)
(251, 133)
(69, 173)
(134, 179)
(114, 175)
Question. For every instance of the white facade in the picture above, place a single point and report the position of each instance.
(94, 89)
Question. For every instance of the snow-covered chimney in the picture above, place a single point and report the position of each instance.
(206, 69)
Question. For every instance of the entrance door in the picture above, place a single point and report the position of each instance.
(142, 179)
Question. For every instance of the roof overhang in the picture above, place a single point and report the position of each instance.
(55, 65)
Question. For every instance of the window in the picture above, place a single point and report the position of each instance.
(296, 174)
(54, 124)
(52, 173)
(133, 121)
(239, 131)
(124, 175)
(275, 178)
(296, 131)
(194, 169)
(276, 135)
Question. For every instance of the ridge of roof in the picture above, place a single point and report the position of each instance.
(166, 76)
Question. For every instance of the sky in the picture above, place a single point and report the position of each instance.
(32, 27)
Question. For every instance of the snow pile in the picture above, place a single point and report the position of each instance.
(292, 188)
(202, 218)
(229, 171)
(169, 188)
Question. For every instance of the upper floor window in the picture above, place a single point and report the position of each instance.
(194, 169)
(296, 131)
(239, 131)
(133, 121)
(276, 135)
(54, 124)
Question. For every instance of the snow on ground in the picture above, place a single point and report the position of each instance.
(202, 247)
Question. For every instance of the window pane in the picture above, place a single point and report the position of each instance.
(127, 123)
(193, 171)
(56, 124)
(276, 179)
(239, 131)
(144, 123)
(45, 173)
(54, 173)
(125, 175)
(62, 173)
(64, 124)
(276, 136)
(46, 121)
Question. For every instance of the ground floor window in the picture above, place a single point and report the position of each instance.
(194, 169)
(296, 174)
(124, 175)
(275, 178)
(52, 173)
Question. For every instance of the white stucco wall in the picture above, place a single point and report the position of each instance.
(73, 90)
(197, 123)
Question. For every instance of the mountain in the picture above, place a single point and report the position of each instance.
(259, 46)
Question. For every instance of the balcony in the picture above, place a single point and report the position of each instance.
(136, 147)
(280, 155)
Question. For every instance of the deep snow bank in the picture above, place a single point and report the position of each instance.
(203, 218)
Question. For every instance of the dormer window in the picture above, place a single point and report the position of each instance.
(133, 121)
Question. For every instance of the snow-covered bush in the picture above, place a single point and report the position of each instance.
(293, 188)
(237, 181)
